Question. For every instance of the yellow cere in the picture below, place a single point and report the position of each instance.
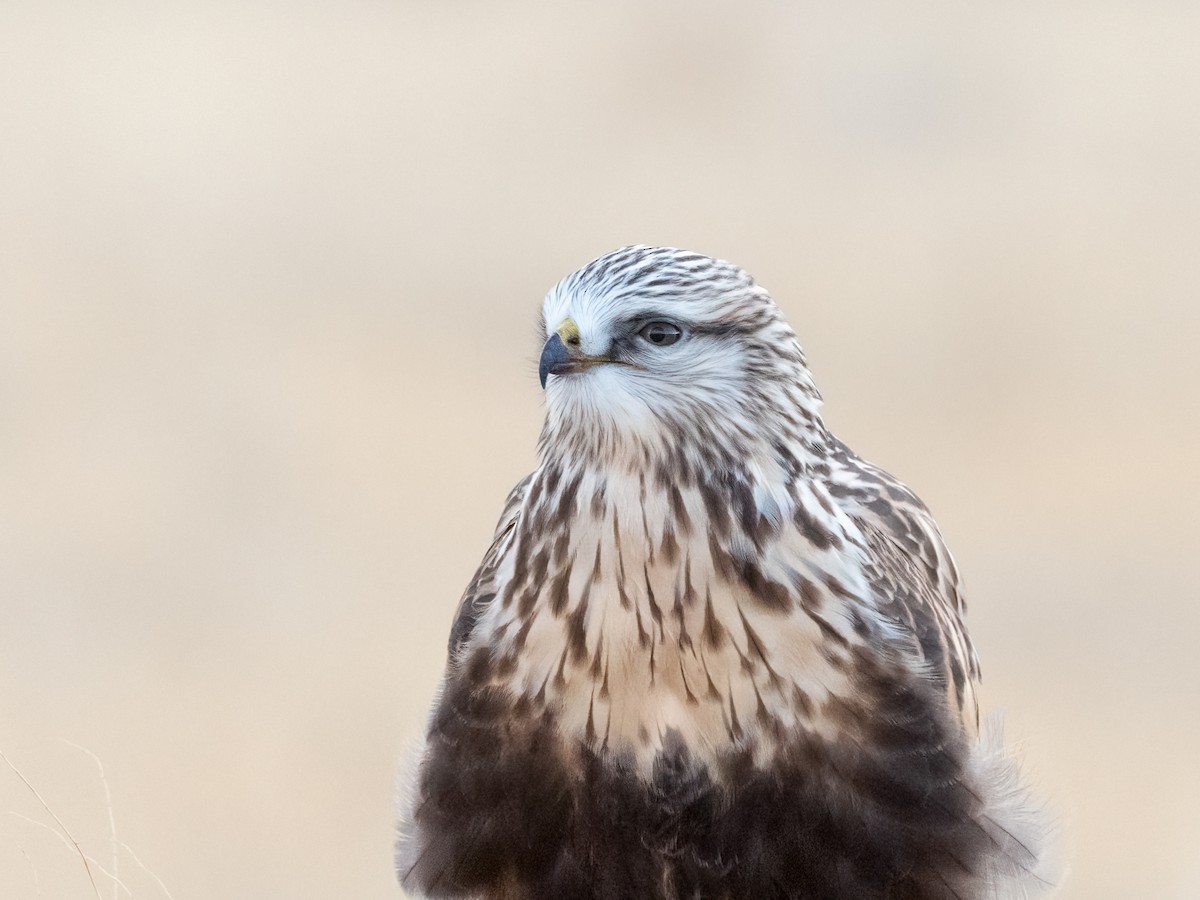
(568, 332)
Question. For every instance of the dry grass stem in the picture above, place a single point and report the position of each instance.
(108, 805)
(37, 883)
(90, 861)
(82, 856)
(146, 869)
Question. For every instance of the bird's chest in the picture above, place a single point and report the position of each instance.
(640, 631)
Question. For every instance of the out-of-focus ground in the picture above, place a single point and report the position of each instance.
(268, 283)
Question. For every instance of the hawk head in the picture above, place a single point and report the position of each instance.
(653, 350)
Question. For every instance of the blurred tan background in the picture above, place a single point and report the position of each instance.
(268, 282)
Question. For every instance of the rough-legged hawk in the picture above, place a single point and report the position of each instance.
(711, 653)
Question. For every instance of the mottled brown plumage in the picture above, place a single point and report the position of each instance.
(711, 653)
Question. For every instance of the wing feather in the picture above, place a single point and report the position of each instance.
(482, 589)
(914, 578)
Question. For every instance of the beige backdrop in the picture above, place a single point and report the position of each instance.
(268, 284)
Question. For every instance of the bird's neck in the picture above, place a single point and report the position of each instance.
(766, 430)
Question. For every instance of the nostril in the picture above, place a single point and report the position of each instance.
(573, 341)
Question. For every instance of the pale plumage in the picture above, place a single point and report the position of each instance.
(711, 653)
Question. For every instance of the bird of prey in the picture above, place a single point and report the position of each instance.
(711, 652)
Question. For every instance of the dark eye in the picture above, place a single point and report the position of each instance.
(661, 334)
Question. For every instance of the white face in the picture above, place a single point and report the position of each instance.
(656, 346)
(638, 357)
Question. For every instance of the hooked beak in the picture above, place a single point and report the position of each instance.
(562, 354)
(556, 359)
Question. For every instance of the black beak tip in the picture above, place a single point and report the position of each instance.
(555, 359)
